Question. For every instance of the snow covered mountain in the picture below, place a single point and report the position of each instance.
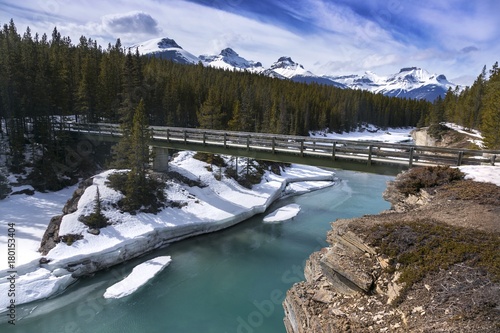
(229, 59)
(410, 82)
(165, 48)
(287, 68)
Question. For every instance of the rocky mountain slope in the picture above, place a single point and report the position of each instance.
(165, 48)
(229, 59)
(411, 82)
(429, 265)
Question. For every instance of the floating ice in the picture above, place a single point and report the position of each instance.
(140, 275)
(284, 213)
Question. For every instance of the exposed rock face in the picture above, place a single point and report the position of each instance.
(445, 137)
(349, 289)
(51, 236)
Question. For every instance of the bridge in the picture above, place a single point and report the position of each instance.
(342, 154)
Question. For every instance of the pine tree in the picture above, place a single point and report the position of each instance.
(491, 110)
(141, 191)
(96, 220)
(141, 135)
(210, 115)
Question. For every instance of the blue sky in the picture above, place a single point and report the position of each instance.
(452, 37)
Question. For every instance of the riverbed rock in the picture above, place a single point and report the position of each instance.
(351, 286)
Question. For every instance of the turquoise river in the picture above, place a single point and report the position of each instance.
(231, 281)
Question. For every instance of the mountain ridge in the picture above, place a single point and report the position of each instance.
(410, 82)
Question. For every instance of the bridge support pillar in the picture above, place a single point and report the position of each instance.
(160, 159)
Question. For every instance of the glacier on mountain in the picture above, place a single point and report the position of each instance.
(409, 82)
(229, 59)
(165, 48)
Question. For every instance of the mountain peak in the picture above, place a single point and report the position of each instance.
(442, 78)
(286, 59)
(286, 63)
(229, 59)
(167, 43)
(166, 48)
(409, 69)
(229, 52)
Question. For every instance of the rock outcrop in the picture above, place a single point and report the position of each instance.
(351, 286)
(442, 136)
(51, 236)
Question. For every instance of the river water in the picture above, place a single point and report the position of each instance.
(230, 281)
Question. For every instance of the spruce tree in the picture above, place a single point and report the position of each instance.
(210, 114)
(140, 191)
(491, 110)
(96, 220)
(139, 155)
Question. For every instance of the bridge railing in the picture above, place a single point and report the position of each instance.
(368, 151)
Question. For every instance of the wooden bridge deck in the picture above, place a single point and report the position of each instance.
(297, 149)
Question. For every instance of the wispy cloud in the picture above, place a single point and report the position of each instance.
(455, 37)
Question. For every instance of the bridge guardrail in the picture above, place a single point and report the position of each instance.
(307, 146)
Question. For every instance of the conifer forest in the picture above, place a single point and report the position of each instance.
(44, 79)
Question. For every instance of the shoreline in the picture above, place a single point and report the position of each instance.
(371, 276)
(52, 278)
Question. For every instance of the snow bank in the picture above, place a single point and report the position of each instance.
(475, 136)
(140, 275)
(38, 284)
(282, 214)
(369, 133)
(482, 173)
(30, 215)
(218, 205)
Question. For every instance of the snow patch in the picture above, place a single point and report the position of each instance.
(38, 284)
(140, 275)
(482, 173)
(369, 133)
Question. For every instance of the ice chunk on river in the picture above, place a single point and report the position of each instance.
(140, 275)
(282, 214)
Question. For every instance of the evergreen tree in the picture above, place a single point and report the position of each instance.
(96, 220)
(140, 191)
(491, 111)
(141, 135)
(210, 115)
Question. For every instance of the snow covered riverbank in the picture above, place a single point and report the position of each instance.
(203, 209)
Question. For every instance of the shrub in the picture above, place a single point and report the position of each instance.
(483, 193)
(412, 181)
(436, 131)
(5, 188)
(146, 195)
(425, 246)
(70, 238)
(96, 220)
(211, 159)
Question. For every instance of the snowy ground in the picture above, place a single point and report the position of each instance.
(218, 205)
(370, 133)
(482, 173)
(475, 136)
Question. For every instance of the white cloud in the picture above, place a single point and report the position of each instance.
(339, 41)
(133, 22)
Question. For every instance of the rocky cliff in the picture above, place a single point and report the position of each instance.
(443, 136)
(431, 264)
